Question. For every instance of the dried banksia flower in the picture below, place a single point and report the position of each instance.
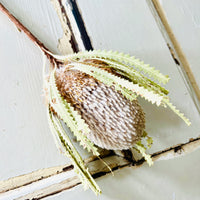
(95, 94)
(114, 121)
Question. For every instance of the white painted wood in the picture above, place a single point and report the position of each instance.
(173, 179)
(116, 25)
(25, 190)
(26, 143)
(131, 28)
(184, 19)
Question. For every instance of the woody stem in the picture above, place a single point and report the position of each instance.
(20, 26)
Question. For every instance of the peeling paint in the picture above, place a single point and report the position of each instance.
(64, 45)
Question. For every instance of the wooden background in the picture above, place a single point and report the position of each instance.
(26, 143)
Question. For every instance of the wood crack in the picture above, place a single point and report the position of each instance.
(173, 54)
(81, 25)
(73, 41)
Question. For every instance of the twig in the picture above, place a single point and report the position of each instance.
(20, 26)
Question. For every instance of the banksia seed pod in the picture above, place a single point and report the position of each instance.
(95, 94)
(115, 121)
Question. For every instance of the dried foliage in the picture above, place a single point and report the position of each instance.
(124, 76)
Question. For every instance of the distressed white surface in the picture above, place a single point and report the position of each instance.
(176, 179)
(22, 191)
(184, 19)
(113, 25)
(26, 143)
(131, 28)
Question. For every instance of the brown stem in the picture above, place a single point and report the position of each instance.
(20, 26)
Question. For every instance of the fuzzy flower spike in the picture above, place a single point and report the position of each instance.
(95, 94)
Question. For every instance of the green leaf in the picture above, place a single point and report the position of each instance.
(133, 75)
(174, 109)
(125, 58)
(119, 83)
(73, 154)
(142, 150)
(149, 141)
(56, 137)
(119, 62)
(71, 117)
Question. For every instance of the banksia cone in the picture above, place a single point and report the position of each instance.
(115, 121)
(95, 94)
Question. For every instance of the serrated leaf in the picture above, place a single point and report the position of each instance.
(175, 110)
(149, 141)
(73, 154)
(119, 83)
(133, 75)
(57, 141)
(125, 58)
(142, 150)
(71, 117)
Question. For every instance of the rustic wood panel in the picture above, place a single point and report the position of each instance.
(50, 181)
(171, 179)
(26, 143)
(113, 25)
(184, 19)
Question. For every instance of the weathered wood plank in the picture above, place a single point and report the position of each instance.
(50, 183)
(41, 19)
(176, 51)
(184, 19)
(171, 179)
(26, 143)
(26, 179)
